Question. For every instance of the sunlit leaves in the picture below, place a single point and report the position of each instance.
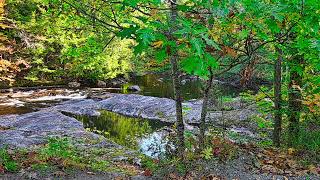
(197, 46)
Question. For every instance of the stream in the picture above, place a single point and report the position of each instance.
(147, 136)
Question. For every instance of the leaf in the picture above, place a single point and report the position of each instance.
(147, 172)
(229, 51)
(132, 3)
(243, 34)
(190, 64)
(127, 32)
(197, 45)
(161, 55)
(212, 62)
(211, 42)
(146, 36)
(1, 169)
(273, 26)
(157, 44)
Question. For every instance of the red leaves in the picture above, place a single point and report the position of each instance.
(216, 151)
(147, 172)
(226, 50)
(1, 169)
(223, 148)
(283, 162)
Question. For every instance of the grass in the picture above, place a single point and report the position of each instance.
(60, 154)
(7, 162)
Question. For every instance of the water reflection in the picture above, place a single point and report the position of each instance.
(161, 86)
(140, 134)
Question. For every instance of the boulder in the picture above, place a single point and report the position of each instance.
(101, 84)
(134, 88)
(74, 84)
(117, 82)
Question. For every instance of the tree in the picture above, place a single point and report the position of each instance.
(277, 98)
(172, 53)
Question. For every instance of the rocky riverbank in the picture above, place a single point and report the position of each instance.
(31, 128)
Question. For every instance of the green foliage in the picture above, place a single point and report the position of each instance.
(7, 162)
(61, 44)
(57, 148)
(207, 153)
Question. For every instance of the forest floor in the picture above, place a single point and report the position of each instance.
(57, 160)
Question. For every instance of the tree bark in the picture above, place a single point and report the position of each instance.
(176, 80)
(277, 99)
(204, 111)
(294, 100)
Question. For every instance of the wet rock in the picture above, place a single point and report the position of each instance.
(74, 84)
(134, 88)
(101, 84)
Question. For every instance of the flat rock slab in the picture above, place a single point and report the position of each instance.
(156, 108)
(163, 109)
(35, 128)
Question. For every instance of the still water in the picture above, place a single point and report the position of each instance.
(144, 135)
(161, 86)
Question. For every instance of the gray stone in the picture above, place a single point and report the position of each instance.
(74, 84)
(83, 107)
(35, 128)
(156, 108)
(163, 109)
(101, 84)
(134, 88)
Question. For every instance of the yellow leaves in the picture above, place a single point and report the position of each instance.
(291, 151)
(2, 4)
(154, 12)
(157, 44)
(313, 103)
(8, 70)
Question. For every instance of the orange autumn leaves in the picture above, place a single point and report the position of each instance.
(313, 103)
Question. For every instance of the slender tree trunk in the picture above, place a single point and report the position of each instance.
(176, 80)
(277, 99)
(295, 100)
(204, 111)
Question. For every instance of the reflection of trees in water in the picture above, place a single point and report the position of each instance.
(121, 129)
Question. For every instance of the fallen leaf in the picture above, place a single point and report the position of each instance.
(1, 169)
(147, 172)
(291, 151)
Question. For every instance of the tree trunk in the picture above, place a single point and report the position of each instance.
(176, 80)
(277, 99)
(295, 100)
(204, 111)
